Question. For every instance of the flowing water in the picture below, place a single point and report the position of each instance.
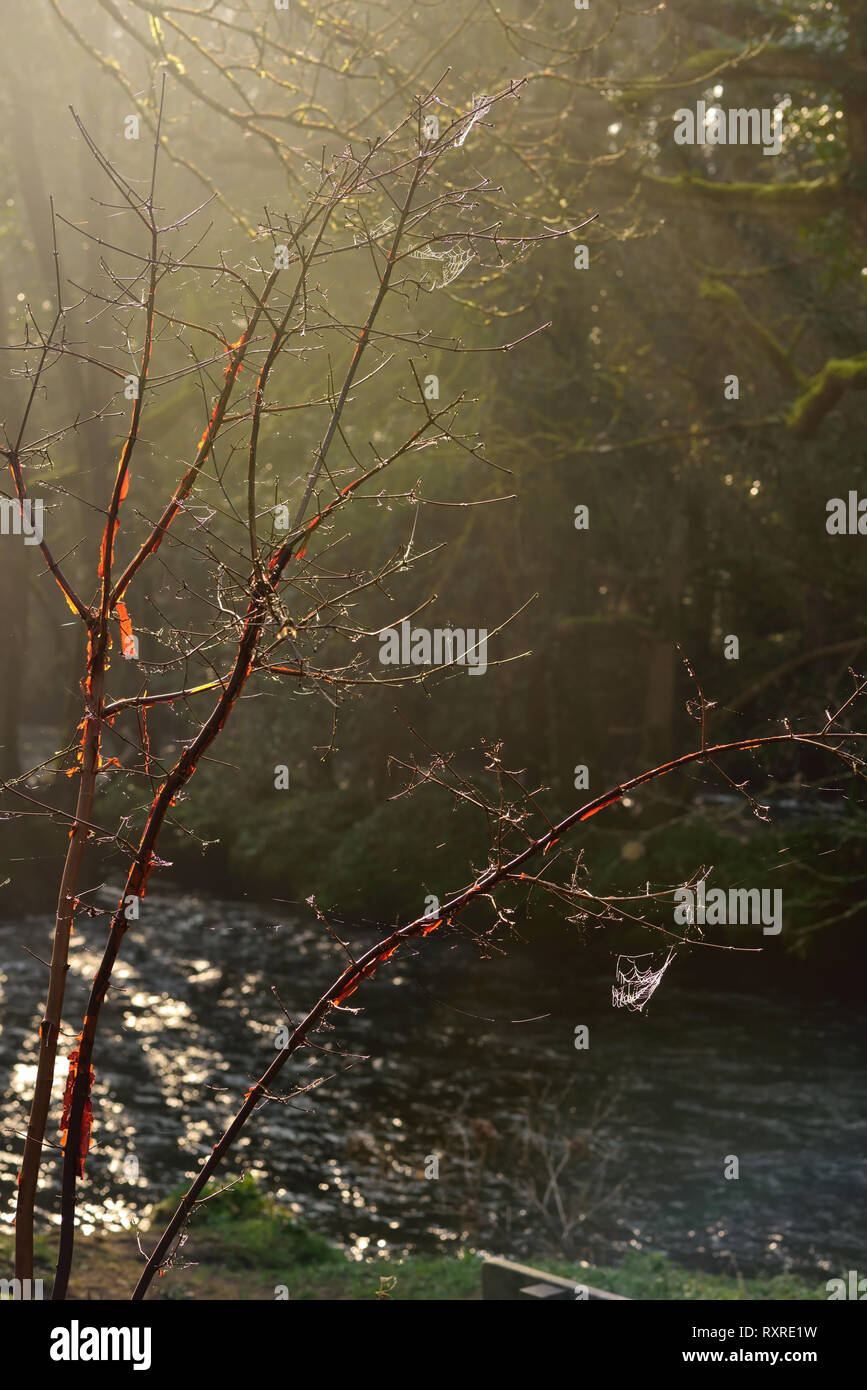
(541, 1147)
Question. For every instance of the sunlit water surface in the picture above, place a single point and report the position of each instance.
(542, 1148)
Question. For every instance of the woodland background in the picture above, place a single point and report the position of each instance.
(707, 516)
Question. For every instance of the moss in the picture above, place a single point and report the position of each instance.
(807, 196)
(838, 375)
(711, 288)
(698, 65)
(714, 289)
(767, 61)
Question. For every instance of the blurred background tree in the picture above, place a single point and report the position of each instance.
(706, 514)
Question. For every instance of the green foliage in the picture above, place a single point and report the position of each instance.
(645, 1275)
(706, 514)
(273, 1250)
(400, 852)
(245, 1228)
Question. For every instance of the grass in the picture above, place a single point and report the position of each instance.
(244, 1246)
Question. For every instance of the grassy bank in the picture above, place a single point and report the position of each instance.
(246, 1247)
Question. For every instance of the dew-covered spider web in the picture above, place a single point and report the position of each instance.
(636, 985)
(450, 262)
(453, 260)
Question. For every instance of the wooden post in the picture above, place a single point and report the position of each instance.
(506, 1281)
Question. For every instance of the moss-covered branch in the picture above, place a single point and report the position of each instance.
(761, 63)
(839, 374)
(715, 290)
(803, 197)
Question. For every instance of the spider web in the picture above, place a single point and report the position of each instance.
(634, 985)
(481, 107)
(363, 237)
(453, 260)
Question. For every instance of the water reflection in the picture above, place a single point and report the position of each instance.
(540, 1147)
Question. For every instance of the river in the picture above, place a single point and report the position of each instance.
(541, 1148)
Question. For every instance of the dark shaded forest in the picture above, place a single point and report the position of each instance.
(705, 503)
(434, 444)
